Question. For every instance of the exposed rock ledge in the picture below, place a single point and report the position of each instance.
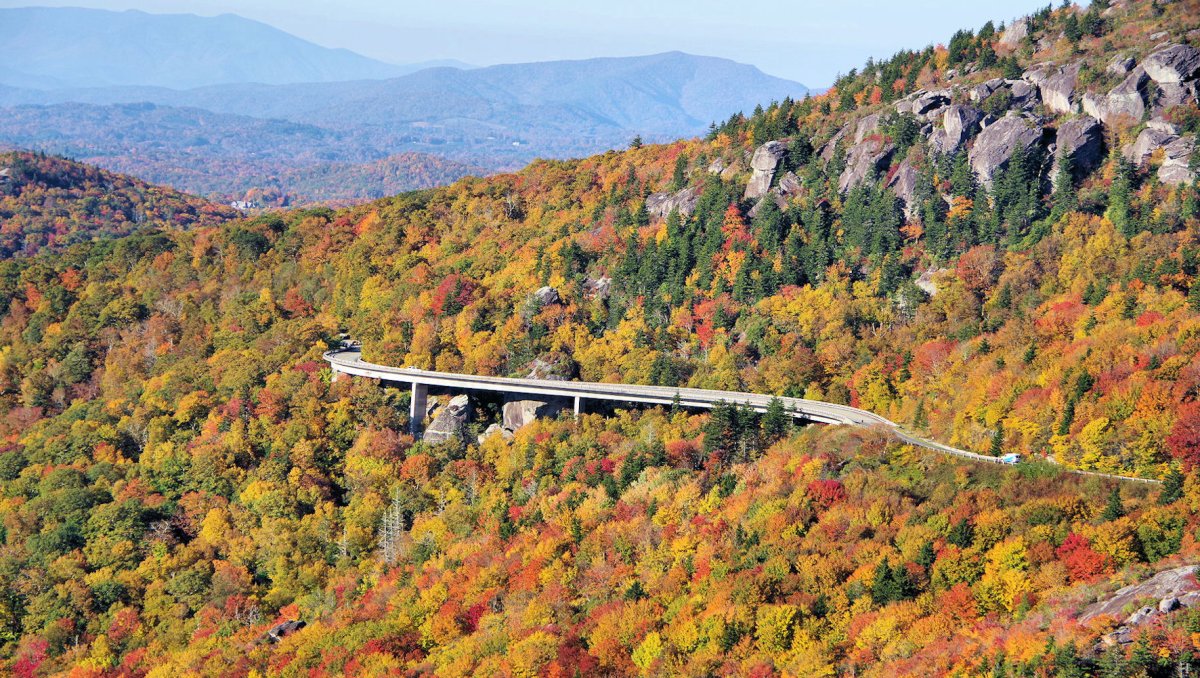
(1170, 590)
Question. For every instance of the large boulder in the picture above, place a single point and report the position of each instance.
(959, 123)
(1172, 94)
(1174, 64)
(1082, 140)
(1024, 94)
(1057, 88)
(864, 161)
(662, 204)
(789, 185)
(517, 413)
(284, 629)
(1120, 65)
(1177, 162)
(985, 89)
(597, 288)
(449, 421)
(997, 143)
(1154, 137)
(929, 103)
(1126, 99)
(492, 430)
(546, 296)
(764, 162)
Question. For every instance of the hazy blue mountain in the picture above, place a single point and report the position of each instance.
(56, 47)
(670, 94)
(213, 105)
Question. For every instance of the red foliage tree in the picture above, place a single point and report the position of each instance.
(1184, 441)
(1081, 561)
(826, 492)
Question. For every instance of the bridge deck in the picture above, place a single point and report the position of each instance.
(349, 361)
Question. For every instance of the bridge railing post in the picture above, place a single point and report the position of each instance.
(417, 407)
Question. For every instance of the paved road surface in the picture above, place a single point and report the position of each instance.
(349, 360)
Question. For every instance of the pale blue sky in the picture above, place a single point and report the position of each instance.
(805, 40)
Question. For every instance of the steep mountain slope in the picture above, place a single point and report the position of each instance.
(61, 47)
(49, 203)
(179, 478)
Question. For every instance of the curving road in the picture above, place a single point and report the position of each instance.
(348, 360)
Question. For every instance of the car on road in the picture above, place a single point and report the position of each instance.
(1012, 458)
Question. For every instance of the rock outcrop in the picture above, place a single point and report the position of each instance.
(1172, 589)
(1176, 166)
(598, 288)
(1082, 140)
(959, 123)
(1024, 94)
(1178, 583)
(827, 151)
(789, 185)
(546, 296)
(283, 629)
(449, 421)
(1174, 64)
(492, 430)
(517, 413)
(764, 162)
(1170, 95)
(1057, 88)
(1126, 99)
(866, 126)
(1120, 65)
(904, 184)
(1014, 34)
(930, 103)
(662, 204)
(865, 160)
(985, 89)
(997, 143)
(1156, 135)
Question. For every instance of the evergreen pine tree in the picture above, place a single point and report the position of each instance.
(775, 423)
(1172, 487)
(679, 177)
(1114, 508)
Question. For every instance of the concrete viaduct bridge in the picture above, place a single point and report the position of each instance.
(348, 360)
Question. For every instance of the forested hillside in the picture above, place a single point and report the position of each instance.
(48, 202)
(179, 475)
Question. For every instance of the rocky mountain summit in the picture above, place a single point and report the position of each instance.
(1048, 111)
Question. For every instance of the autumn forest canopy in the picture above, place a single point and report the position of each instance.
(994, 242)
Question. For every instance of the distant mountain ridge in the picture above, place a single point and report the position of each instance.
(672, 93)
(64, 47)
(209, 104)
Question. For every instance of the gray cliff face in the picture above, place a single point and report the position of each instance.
(764, 162)
(1043, 114)
(1082, 140)
(996, 144)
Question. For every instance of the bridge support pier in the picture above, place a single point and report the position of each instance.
(417, 407)
(578, 406)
